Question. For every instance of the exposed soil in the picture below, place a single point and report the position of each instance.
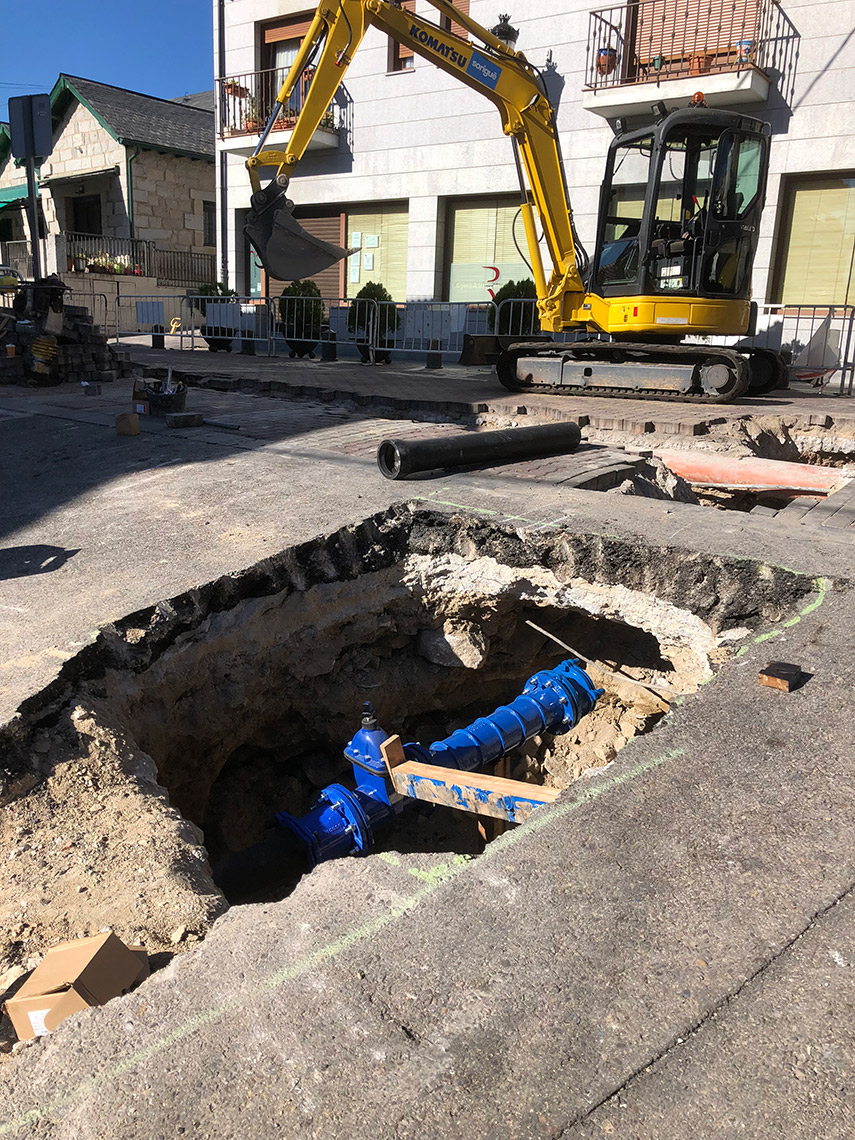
(211, 711)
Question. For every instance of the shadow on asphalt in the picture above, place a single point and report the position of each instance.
(21, 561)
(46, 461)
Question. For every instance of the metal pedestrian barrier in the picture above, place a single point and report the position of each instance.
(817, 341)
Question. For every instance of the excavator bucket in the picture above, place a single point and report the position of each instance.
(287, 251)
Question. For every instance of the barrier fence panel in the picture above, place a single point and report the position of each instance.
(817, 341)
(434, 326)
(136, 318)
(355, 324)
(229, 323)
(518, 317)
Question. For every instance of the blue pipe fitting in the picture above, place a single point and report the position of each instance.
(343, 822)
(552, 701)
(363, 752)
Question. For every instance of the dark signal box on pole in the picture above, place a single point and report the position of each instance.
(30, 126)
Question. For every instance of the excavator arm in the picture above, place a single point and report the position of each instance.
(497, 72)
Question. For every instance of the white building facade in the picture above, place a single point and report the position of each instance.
(414, 167)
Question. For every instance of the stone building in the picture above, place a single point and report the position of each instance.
(129, 187)
(418, 163)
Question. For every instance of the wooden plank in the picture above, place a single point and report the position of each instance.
(392, 751)
(495, 796)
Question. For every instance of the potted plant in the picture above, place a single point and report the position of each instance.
(362, 317)
(301, 314)
(215, 337)
(701, 63)
(251, 116)
(517, 321)
(606, 60)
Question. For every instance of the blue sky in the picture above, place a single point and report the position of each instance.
(159, 47)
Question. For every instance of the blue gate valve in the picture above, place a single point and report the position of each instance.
(343, 822)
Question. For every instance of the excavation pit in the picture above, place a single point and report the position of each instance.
(176, 736)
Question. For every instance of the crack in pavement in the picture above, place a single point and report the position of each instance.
(694, 1029)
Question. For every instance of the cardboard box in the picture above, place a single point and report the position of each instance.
(140, 403)
(127, 423)
(74, 976)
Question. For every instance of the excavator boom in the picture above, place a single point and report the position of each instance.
(498, 73)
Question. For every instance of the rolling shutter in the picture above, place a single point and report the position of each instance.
(401, 51)
(818, 243)
(329, 281)
(458, 29)
(674, 29)
(293, 28)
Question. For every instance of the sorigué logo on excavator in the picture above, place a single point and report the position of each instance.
(476, 65)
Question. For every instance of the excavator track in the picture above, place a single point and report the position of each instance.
(697, 374)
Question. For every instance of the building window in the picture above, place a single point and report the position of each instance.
(379, 231)
(482, 253)
(280, 43)
(401, 57)
(209, 223)
(816, 241)
(456, 29)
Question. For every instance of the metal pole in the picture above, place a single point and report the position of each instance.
(33, 215)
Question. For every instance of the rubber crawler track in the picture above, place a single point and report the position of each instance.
(654, 353)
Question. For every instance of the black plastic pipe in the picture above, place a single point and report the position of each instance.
(398, 458)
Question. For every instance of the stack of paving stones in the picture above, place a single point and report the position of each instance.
(84, 354)
(11, 369)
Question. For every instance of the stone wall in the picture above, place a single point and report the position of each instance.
(168, 196)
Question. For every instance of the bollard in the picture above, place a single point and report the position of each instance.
(157, 340)
(434, 356)
(328, 349)
(247, 346)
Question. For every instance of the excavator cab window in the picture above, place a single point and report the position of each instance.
(736, 201)
(618, 261)
(680, 209)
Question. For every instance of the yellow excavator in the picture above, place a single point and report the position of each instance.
(678, 223)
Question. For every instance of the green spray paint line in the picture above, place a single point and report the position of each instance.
(540, 819)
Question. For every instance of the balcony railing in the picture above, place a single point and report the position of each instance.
(245, 102)
(17, 255)
(184, 267)
(648, 41)
(136, 257)
(109, 254)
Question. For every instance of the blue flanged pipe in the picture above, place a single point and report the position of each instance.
(343, 822)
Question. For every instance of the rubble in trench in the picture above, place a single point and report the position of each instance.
(187, 724)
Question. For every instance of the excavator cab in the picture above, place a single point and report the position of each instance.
(680, 207)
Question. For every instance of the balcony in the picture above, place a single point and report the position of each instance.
(650, 50)
(132, 257)
(245, 102)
